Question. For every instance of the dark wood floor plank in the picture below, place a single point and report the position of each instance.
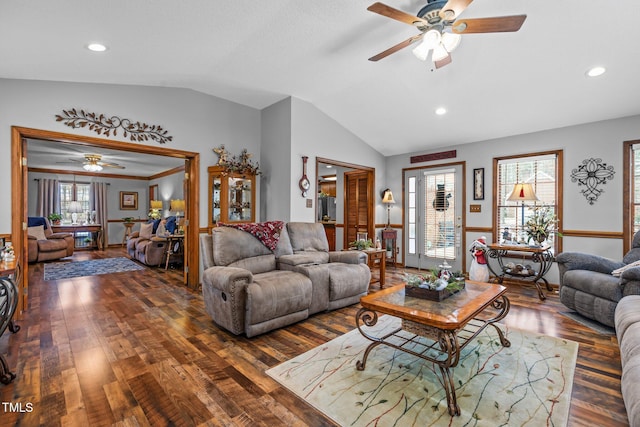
(138, 349)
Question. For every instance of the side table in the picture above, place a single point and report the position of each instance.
(175, 247)
(127, 231)
(389, 240)
(540, 255)
(376, 260)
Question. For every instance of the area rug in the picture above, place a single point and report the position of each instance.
(591, 324)
(67, 270)
(527, 384)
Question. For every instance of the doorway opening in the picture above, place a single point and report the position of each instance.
(345, 202)
(19, 189)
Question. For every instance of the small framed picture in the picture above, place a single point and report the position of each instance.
(129, 200)
(478, 184)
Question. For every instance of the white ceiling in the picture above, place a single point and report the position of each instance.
(70, 157)
(259, 52)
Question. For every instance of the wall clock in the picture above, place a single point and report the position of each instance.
(304, 183)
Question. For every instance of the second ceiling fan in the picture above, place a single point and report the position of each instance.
(440, 28)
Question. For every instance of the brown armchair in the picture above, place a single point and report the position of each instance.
(44, 244)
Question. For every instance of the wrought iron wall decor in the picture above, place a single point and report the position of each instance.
(107, 126)
(592, 173)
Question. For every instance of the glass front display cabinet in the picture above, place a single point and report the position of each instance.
(232, 197)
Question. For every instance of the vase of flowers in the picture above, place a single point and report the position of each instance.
(541, 225)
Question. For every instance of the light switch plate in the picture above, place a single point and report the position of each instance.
(475, 208)
(309, 203)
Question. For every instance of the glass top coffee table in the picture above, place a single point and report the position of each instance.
(448, 325)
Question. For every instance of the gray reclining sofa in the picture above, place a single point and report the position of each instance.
(252, 289)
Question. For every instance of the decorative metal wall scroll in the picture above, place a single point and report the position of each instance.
(592, 173)
(106, 126)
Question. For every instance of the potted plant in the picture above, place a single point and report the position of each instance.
(434, 285)
(55, 218)
(128, 219)
(361, 245)
(541, 225)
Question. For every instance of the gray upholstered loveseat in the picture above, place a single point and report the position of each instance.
(627, 317)
(588, 286)
(252, 289)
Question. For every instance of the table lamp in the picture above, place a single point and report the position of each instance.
(75, 208)
(522, 192)
(155, 206)
(388, 200)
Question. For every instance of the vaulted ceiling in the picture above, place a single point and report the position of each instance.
(259, 52)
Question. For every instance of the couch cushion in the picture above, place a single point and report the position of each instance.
(301, 258)
(52, 245)
(275, 294)
(37, 232)
(348, 280)
(146, 230)
(601, 285)
(307, 236)
(231, 246)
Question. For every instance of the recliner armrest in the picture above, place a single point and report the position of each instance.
(232, 280)
(348, 257)
(59, 235)
(582, 261)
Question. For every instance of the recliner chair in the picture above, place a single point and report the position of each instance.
(54, 246)
(588, 286)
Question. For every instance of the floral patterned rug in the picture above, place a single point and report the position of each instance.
(527, 384)
(67, 270)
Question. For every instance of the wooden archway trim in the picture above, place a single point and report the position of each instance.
(19, 137)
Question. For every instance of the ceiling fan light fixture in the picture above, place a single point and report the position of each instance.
(439, 53)
(92, 167)
(430, 40)
(451, 41)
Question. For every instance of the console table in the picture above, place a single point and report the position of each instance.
(94, 229)
(538, 255)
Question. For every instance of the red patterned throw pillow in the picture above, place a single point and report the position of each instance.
(267, 232)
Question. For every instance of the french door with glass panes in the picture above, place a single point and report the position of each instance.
(433, 209)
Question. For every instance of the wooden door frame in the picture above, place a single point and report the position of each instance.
(370, 186)
(19, 173)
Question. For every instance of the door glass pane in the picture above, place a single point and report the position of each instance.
(411, 199)
(439, 224)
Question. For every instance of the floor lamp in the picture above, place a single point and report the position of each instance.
(522, 192)
(388, 200)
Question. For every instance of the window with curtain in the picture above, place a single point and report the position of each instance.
(70, 191)
(538, 169)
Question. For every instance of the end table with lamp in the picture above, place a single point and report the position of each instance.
(389, 235)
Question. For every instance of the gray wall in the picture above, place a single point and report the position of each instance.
(603, 140)
(197, 122)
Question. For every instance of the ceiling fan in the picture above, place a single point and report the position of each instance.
(440, 29)
(94, 163)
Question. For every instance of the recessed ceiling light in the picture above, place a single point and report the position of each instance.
(596, 71)
(441, 111)
(96, 47)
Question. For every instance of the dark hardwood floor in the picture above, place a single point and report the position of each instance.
(138, 348)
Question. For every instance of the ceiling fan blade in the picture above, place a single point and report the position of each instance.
(498, 24)
(453, 9)
(442, 62)
(396, 14)
(397, 47)
(110, 165)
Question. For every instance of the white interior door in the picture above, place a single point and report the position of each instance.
(434, 217)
